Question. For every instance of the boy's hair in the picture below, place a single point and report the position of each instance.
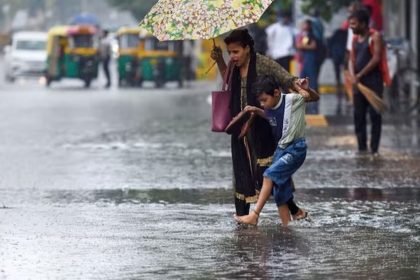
(361, 15)
(266, 84)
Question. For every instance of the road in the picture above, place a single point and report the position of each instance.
(131, 184)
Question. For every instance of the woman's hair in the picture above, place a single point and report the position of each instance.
(309, 23)
(242, 37)
(266, 84)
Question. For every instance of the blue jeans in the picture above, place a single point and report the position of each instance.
(285, 163)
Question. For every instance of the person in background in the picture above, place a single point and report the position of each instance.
(105, 52)
(307, 45)
(188, 60)
(354, 6)
(364, 68)
(280, 40)
(337, 52)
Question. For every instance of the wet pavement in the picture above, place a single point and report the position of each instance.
(131, 184)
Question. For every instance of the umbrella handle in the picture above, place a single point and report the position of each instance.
(211, 67)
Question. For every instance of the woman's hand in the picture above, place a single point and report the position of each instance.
(355, 79)
(250, 109)
(216, 54)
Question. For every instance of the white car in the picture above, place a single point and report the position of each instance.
(26, 56)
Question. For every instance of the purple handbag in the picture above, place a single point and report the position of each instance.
(220, 103)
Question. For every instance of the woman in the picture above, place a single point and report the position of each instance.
(252, 154)
(307, 45)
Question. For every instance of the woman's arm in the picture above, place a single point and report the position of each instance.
(271, 67)
(255, 110)
(217, 56)
(311, 45)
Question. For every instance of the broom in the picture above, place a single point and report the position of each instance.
(348, 86)
(377, 103)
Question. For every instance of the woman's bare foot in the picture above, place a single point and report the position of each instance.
(250, 219)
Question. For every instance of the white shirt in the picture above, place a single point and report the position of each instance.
(280, 40)
(105, 48)
(349, 39)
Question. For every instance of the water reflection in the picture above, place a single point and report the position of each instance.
(202, 196)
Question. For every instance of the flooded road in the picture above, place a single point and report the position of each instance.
(131, 184)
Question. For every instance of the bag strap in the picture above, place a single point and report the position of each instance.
(228, 76)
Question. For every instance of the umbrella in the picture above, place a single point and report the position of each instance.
(88, 19)
(201, 19)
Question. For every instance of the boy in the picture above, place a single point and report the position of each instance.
(286, 115)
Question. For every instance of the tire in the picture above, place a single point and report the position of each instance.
(87, 83)
(180, 83)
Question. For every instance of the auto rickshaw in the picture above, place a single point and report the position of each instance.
(73, 52)
(161, 62)
(129, 48)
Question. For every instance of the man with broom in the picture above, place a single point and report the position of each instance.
(368, 69)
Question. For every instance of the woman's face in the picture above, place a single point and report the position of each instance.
(306, 26)
(238, 54)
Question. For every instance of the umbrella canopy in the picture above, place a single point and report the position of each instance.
(87, 19)
(201, 19)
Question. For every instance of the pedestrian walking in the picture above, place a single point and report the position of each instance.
(105, 56)
(281, 40)
(365, 68)
(286, 115)
(307, 45)
(337, 52)
(252, 154)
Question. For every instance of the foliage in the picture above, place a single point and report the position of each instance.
(324, 8)
(138, 8)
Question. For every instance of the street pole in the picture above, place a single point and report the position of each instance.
(415, 47)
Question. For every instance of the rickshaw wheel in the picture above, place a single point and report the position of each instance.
(180, 83)
(159, 83)
(87, 83)
(48, 82)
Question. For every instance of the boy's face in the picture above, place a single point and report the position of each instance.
(268, 101)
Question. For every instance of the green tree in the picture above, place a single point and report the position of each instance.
(138, 8)
(325, 8)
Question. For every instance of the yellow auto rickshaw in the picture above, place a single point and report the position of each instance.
(129, 48)
(72, 52)
(161, 62)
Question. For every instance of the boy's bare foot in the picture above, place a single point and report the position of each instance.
(300, 215)
(250, 219)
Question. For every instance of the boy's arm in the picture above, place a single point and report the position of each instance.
(309, 94)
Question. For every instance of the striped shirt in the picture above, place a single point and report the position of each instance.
(287, 119)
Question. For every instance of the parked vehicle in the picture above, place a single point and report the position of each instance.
(129, 48)
(73, 52)
(161, 62)
(26, 55)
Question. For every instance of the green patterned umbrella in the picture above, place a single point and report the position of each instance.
(201, 19)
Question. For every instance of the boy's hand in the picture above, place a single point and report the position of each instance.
(303, 83)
